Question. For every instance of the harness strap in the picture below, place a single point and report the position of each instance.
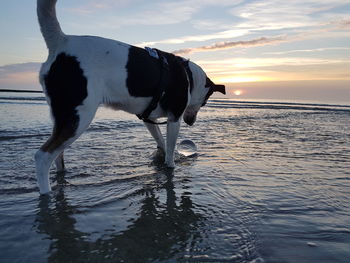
(164, 66)
(153, 122)
(189, 73)
(163, 63)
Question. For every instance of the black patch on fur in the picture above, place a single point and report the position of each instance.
(66, 87)
(146, 73)
(143, 73)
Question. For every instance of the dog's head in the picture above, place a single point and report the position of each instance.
(203, 88)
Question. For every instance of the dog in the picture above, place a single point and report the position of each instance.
(83, 72)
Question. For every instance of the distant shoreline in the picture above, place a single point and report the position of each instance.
(230, 100)
(23, 91)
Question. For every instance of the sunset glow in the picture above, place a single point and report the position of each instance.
(238, 79)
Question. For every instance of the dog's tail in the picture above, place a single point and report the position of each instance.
(50, 28)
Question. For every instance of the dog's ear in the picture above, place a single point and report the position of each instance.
(219, 88)
(214, 87)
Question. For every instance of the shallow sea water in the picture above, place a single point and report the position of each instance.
(270, 183)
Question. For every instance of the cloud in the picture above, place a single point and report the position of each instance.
(274, 69)
(296, 18)
(232, 44)
(115, 17)
(96, 6)
(163, 14)
(308, 50)
(16, 68)
(325, 30)
(343, 24)
(140, 12)
(20, 76)
(198, 38)
(270, 62)
(280, 14)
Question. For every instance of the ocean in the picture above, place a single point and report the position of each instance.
(270, 183)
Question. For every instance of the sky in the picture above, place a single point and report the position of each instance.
(270, 49)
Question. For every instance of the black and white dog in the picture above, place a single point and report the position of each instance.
(82, 72)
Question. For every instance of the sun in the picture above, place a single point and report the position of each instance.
(237, 92)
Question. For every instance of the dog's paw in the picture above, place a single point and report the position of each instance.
(158, 156)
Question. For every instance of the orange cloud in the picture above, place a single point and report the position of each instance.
(231, 44)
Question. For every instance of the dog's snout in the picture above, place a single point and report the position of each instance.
(190, 116)
(190, 120)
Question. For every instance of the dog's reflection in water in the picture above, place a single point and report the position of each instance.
(162, 226)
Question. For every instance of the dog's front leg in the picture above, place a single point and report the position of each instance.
(173, 128)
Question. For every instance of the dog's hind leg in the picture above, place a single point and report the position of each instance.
(44, 158)
(59, 162)
(64, 134)
(173, 128)
(156, 134)
(159, 155)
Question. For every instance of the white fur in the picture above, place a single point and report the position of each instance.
(106, 77)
